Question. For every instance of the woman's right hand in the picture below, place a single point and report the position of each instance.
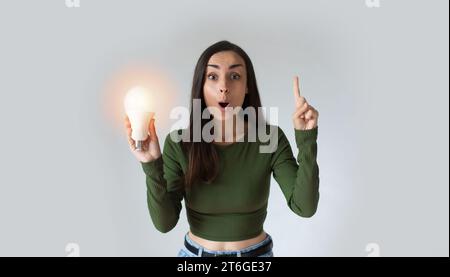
(150, 147)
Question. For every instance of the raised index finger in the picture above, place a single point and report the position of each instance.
(296, 88)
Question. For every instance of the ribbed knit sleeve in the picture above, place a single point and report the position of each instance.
(298, 179)
(165, 190)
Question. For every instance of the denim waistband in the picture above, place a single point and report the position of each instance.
(267, 240)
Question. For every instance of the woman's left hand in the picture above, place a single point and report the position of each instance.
(305, 116)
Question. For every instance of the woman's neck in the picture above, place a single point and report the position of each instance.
(229, 130)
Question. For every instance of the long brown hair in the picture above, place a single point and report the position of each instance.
(203, 159)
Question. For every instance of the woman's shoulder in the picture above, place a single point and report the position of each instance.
(270, 138)
(173, 140)
(175, 136)
(274, 131)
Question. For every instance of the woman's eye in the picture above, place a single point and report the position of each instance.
(212, 77)
(235, 76)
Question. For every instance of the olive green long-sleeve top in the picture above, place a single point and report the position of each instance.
(234, 206)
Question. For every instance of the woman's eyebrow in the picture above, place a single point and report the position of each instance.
(230, 67)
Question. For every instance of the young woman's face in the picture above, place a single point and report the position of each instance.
(225, 82)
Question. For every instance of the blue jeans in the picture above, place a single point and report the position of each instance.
(184, 252)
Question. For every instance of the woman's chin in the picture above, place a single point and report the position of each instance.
(226, 115)
(222, 114)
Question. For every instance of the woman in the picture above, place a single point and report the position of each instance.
(225, 182)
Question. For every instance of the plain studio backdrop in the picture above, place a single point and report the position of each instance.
(377, 75)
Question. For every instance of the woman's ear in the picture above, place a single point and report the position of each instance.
(246, 90)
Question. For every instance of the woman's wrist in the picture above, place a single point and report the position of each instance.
(305, 136)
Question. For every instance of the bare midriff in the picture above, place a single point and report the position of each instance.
(227, 245)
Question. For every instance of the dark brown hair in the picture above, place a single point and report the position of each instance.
(203, 159)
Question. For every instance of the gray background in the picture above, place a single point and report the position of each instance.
(378, 76)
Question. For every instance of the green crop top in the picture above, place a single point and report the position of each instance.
(234, 206)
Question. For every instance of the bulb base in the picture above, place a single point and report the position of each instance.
(138, 144)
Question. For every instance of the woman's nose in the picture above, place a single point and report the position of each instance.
(223, 86)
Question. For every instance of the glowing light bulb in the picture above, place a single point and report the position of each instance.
(139, 109)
